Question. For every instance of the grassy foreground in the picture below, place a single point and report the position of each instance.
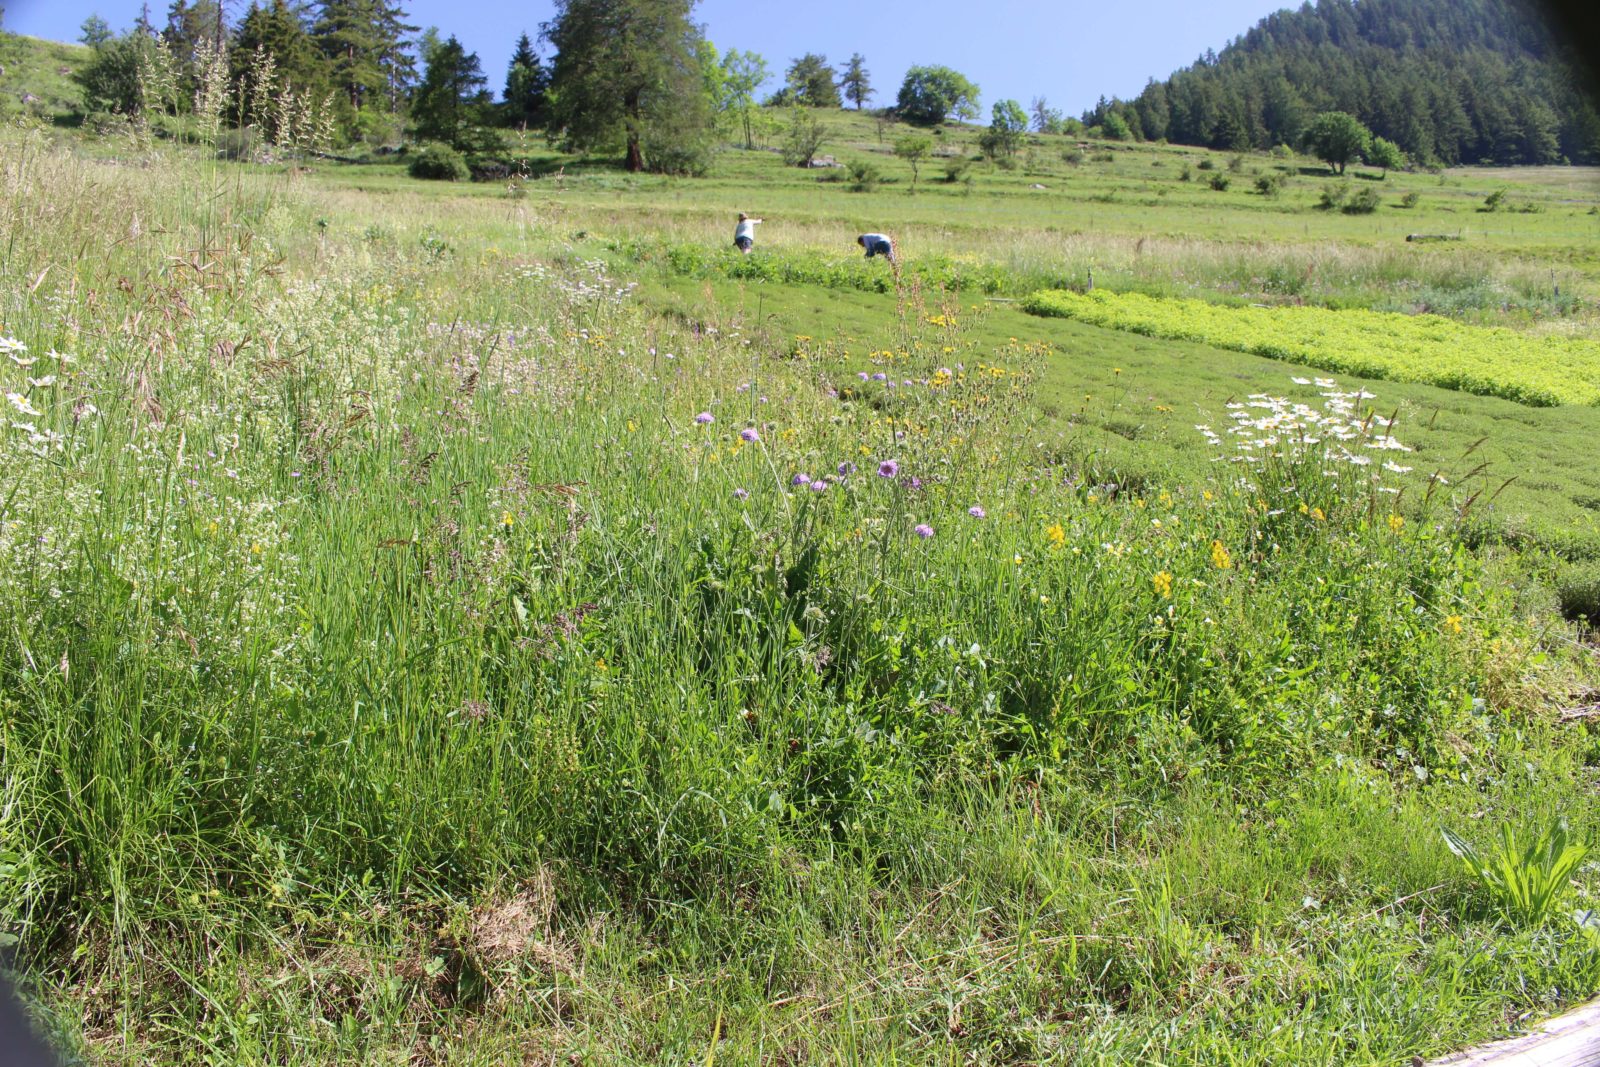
(414, 651)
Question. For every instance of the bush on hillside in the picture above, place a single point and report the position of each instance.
(439, 163)
(1365, 202)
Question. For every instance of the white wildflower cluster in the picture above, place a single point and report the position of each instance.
(1266, 427)
(589, 281)
(29, 395)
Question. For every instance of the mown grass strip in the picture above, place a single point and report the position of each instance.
(1488, 361)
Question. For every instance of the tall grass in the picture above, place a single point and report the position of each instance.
(395, 665)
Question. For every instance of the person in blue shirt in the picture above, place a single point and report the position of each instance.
(877, 244)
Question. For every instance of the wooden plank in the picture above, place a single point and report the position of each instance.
(1570, 1040)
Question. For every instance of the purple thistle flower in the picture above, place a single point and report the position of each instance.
(880, 377)
(818, 486)
(888, 469)
(913, 483)
(890, 383)
(923, 530)
(977, 512)
(749, 434)
(861, 374)
(741, 493)
(906, 382)
(800, 479)
(705, 417)
(846, 469)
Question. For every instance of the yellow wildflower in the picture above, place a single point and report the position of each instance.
(1163, 584)
(1397, 523)
(1452, 624)
(507, 519)
(1220, 557)
(1056, 535)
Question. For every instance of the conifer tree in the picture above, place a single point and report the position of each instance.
(451, 104)
(627, 71)
(855, 81)
(526, 85)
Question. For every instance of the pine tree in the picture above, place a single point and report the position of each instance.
(810, 82)
(626, 71)
(855, 81)
(526, 85)
(451, 102)
(276, 31)
(365, 45)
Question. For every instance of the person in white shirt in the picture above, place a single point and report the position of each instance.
(744, 234)
(877, 244)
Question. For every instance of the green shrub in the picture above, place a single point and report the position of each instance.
(1333, 195)
(1208, 164)
(1409, 200)
(1072, 157)
(1578, 589)
(1269, 184)
(955, 169)
(864, 177)
(439, 163)
(1495, 200)
(1219, 182)
(1186, 173)
(1365, 202)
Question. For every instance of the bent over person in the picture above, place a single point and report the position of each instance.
(744, 234)
(877, 244)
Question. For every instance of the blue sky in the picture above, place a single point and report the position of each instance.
(1069, 52)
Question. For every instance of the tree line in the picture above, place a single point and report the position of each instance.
(635, 77)
(1448, 81)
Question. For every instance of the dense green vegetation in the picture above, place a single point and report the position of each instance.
(415, 647)
(484, 621)
(1457, 81)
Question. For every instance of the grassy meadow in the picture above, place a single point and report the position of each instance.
(499, 623)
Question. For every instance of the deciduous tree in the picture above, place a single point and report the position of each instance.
(929, 95)
(1336, 138)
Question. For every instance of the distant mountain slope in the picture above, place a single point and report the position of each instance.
(1457, 81)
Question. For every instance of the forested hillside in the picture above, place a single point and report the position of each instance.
(1453, 81)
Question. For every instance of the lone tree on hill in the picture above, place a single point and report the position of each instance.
(929, 95)
(914, 148)
(854, 80)
(624, 71)
(1008, 122)
(95, 31)
(742, 74)
(810, 82)
(1337, 138)
(1046, 119)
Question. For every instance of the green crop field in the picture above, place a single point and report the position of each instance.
(499, 622)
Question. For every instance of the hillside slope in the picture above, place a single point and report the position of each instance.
(36, 76)
(1454, 81)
